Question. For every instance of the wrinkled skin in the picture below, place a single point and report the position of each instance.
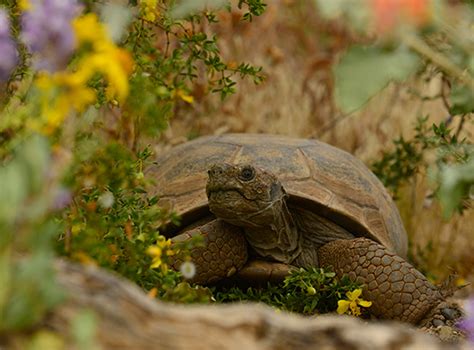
(251, 202)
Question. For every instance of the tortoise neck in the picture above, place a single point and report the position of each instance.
(273, 234)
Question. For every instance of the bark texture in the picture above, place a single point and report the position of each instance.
(129, 319)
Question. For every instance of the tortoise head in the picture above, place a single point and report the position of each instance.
(241, 194)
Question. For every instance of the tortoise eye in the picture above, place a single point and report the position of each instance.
(247, 173)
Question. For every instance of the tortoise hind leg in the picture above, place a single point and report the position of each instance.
(223, 254)
(397, 290)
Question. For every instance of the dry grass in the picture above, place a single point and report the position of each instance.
(296, 49)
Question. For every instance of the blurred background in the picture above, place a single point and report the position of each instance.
(298, 49)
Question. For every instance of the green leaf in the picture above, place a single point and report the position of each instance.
(186, 8)
(116, 18)
(456, 184)
(462, 100)
(351, 11)
(84, 327)
(22, 176)
(33, 291)
(364, 71)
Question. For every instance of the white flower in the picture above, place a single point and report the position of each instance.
(187, 269)
(106, 200)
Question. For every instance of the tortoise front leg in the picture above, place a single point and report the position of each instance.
(259, 272)
(397, 290)
(223, 254)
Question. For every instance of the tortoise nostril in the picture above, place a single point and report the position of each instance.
(216, 170)
(219, 170)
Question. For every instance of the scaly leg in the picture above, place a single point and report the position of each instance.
(259, 272)
(223, 254)
(397, 290)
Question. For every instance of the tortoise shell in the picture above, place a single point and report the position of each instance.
(317, 176)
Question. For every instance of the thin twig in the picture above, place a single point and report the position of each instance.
(445, 83)
(439, 60)
(460, 126)
(331, 124)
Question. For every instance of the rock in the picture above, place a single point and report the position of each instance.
(450, 313)
(447, 334)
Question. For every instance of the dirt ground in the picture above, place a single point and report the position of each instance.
(297, 49)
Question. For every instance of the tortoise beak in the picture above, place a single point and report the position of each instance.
(216, 178)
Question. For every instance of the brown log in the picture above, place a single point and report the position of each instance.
(129, 319)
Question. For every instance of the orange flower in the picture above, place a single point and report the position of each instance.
(390, 13)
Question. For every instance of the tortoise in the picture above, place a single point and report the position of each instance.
(266, 203)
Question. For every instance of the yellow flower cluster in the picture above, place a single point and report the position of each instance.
(149, 10)
(63, 91)
(113, 62)
(59, 93)
(162, 249)
(351, 306)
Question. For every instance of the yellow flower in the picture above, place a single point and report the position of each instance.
(88, 29)
(83, 258)
(24, 5)
(75, 90)
(461, 282)
(184, 96)
(77, 228)
(162, 249)
(61, 92)
(155, 252)
(149, 10)
(114, 64)
(106, 58)
(163, 242)
(351, 306)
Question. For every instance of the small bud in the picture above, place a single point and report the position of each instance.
(311, 290)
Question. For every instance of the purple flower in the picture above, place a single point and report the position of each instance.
(61, 198)
(48, 33)
(8, 53)
(467, 324)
